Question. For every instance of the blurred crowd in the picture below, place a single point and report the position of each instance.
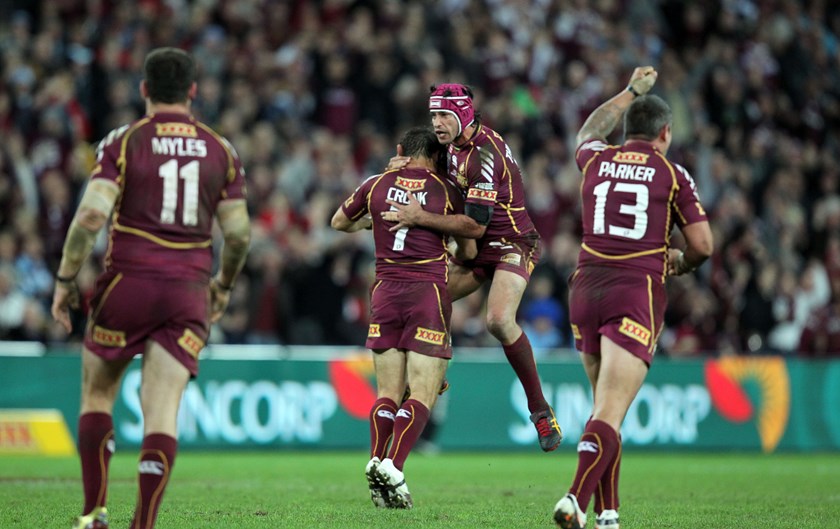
(314, 95)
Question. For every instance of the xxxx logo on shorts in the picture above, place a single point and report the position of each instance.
(410, 184)
(373, 331)
(635, 330)
(752, 389)
(511, 258)
(631, 157)
(482, 194)
(176, 129)
(576, 332)
(108, 337)
(191, 343)
(430, 336)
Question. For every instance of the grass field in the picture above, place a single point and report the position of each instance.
(311, 489)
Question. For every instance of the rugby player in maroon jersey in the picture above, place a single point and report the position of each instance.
(482, 165)
(162, 180)
(632, 196)
(410, 308)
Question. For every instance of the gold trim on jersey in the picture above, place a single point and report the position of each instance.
(162, 242)
(652, 320)
(623, 256)
(440, 309)
(231, 175)
(671, 201)
(423, 261)
(105, 294)
(191, 343)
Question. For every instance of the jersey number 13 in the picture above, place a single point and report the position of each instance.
(638, 210)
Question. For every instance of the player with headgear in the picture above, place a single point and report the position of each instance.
(482, 165)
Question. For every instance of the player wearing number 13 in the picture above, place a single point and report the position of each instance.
(632, 196)
(162, 179)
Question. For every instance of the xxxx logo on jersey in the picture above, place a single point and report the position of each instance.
(728, 380)
(410, 184)
(482, 194)
(631, 157)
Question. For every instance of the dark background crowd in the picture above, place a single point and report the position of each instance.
(314, 95)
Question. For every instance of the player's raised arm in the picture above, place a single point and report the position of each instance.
(604, 119)
(236, 229)
(95, 207)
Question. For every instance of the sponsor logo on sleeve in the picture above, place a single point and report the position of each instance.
(430, 336)
(635, 330)
(481, 194)
(410, 184)
(176, 129)
(191, 343)
(108, 337)
(373, 331)
(631, 157)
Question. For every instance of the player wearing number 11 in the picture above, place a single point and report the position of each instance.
(631, 196)
(162, 179)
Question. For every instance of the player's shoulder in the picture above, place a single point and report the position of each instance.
(593, 145)
(116, 135)
(208, 133)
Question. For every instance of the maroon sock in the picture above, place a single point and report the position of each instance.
(381, 426)
(157, 455)
(606, 495)
(411, 419)
(96, 445)
(520, 356)
(597, 448)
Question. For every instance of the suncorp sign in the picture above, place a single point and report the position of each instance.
(239, 412)
(659, 414)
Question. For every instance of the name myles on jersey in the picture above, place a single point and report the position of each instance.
(169, 146)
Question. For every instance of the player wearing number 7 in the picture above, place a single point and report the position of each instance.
(162, 180)
(632, 197)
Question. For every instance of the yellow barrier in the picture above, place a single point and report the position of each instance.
(36, 432)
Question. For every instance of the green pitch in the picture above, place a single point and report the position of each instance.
(311, 489)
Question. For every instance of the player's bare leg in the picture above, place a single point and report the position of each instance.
(100, 383)
(164, 380)
(506, 292)
(619, 379)
(425, 374)
(390, 369)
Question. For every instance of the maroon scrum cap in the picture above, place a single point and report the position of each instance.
(454, 99)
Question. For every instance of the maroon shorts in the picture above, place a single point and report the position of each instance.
(127, 311)
(518, 254)
(625, 306)
(412, 316)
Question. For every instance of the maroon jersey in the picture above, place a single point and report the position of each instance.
(172, 171)
(632, 196)
(484, 169)
(409, 254)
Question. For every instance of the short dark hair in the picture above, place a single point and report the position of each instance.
(169, 73)
(645, 117)
(421, 141)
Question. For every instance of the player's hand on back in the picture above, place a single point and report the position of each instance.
(399, 161)
(405, 215)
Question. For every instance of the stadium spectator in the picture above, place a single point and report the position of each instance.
(632, 197)
(410, 308)
(481, 164)
(153, 297)
(267, 61)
